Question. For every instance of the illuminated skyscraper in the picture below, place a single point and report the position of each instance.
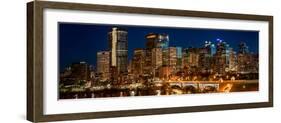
(247, 62)
(172, 57)
(232, 60)
(190, 59)
(193, 57)
(179, 58)
(118, 44)
(185, 58)
(179, 52)
(243, 62)
(210, 47)
(206, 54)
(156, 57)
(205, 60)
(243, 48)
(138, 62)
(156, 60)
(155, 40)
(103, 66)
(222, 57)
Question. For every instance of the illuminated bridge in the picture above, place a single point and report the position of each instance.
(220, 85)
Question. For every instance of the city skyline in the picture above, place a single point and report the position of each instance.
(163, 66)
(81, 42)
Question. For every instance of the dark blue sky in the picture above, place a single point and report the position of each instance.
(81, 42)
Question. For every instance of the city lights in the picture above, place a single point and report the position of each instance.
(161, 69)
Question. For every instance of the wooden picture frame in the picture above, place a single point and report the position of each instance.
(35, 60)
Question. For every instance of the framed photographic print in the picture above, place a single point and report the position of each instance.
(96, 61)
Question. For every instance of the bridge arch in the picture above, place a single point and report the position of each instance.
(190, 89)
(176, 86)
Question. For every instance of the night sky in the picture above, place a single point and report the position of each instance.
(81, 42)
